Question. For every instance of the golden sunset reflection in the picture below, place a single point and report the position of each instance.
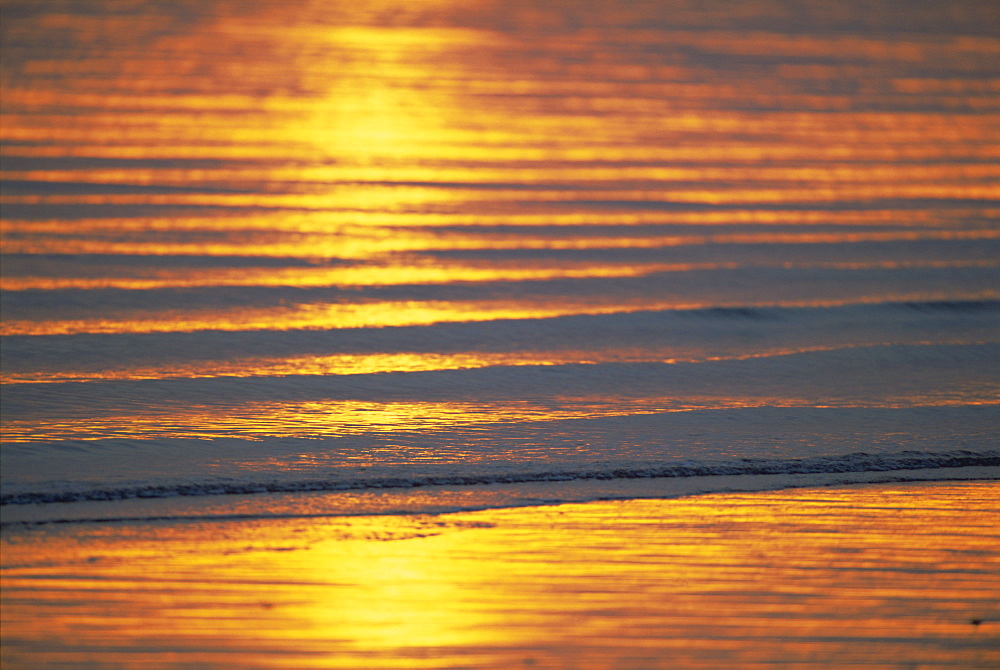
(318, 178)
(389, 275)
(414, 313)
(312, 316)
(289, 289)
(289, 419)
(725, 579)
(402, 362)
(369, 275)
(482, 225)
(402, 197)
(332, 418)
(376, 241)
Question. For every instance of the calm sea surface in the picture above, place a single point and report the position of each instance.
(260, 246)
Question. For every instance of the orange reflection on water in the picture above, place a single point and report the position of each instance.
(413, 313)
(319, 178)
(347, 417)
(409, 226)
(381, 275)
(377, 242)
(339, 418)
(380, 363)
(882, 575)
(402, 197)
(335, 364)
(368, 275)
(312, 317)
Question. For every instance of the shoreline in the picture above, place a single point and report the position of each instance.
(869, 575)
(445, 499)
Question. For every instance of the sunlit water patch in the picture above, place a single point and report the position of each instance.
(248, 247)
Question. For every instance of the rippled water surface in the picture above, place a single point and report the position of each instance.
(257, 246)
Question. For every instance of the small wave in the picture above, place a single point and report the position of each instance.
(855, 462)
(953, 305)
(26, 263)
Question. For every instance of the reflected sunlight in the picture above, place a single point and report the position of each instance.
(838, 572)
(286, 284)
(339, 418)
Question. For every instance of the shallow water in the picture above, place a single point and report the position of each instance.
(248, 247)
(876, 577)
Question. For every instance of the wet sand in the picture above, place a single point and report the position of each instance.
(874, 576)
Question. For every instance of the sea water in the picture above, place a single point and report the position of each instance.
(316, 246)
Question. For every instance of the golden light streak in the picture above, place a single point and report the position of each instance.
(390, 275)
(374, 241)
(915, 148)
(318, 418)
(398, 198)
(379, 363)
(384, 224)
(310, 317)
(321, 316)
(538, 177)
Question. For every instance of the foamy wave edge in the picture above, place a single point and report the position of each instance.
(855, 462)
